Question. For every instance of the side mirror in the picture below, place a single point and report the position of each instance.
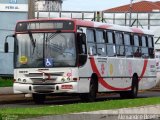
(6, 47)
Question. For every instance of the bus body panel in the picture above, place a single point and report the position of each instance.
(55, 80)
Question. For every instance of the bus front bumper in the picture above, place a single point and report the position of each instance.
(57, 88)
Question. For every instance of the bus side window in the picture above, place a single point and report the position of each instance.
(119, 44)
(151, 46)
(91, 42)
(111, 50)
(101, 47)
(128, 45)
(144, 47)
(136, 48)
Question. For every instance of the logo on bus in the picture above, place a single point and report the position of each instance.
(102, 69)
(111, 69)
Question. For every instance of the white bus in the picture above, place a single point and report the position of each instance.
(55, 56)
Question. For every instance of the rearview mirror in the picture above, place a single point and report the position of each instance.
(6, 47)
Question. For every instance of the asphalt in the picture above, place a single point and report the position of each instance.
(139, 113)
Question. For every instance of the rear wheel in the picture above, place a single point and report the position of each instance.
(134, 89)
(38, 98)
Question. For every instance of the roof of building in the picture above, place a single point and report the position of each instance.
(142, 6)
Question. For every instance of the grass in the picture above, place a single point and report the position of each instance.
(80, 107)
(6, 82)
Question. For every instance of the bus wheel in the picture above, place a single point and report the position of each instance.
(91, 96)
(134, 89)
(38, 98)
(93, 90)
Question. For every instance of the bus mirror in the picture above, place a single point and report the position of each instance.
(6, 47)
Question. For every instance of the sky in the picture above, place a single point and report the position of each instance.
(93, 5)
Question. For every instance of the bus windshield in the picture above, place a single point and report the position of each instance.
(37, 50)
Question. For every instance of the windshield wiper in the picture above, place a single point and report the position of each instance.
(52, 35)
(32, 40)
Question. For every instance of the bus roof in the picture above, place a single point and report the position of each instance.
(100, 25)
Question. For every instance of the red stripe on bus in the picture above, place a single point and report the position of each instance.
(104, 26)
(136, 30)
(144, 69)
(105, 84)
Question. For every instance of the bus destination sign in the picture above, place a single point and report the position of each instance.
(51, 25)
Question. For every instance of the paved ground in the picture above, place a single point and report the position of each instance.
(6, 90)
(151, 112)
(138, 113)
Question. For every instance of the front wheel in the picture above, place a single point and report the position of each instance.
(38, 98)
(91, 96)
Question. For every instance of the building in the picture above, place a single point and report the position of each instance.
(143, 14)
(142, 6)
(10, 11)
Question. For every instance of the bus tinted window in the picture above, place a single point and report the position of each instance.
(128, 46)
(111, 49)
(150, 47)
(119, 44)
(137, 48)
(144, 47)
(101, 47)
(110, 37)
(91, 42)
(136, 40)
(150, 41)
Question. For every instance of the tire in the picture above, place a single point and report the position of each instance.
(134, 89)
(91, 96)
(38, 98)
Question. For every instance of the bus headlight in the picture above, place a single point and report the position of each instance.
(63, 80)
(19, 79)
(24, 80)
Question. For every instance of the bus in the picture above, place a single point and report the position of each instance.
(71, 56)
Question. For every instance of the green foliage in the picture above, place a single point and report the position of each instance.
(6, 82)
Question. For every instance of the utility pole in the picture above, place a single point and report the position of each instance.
(130, 10)
(31, 9)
